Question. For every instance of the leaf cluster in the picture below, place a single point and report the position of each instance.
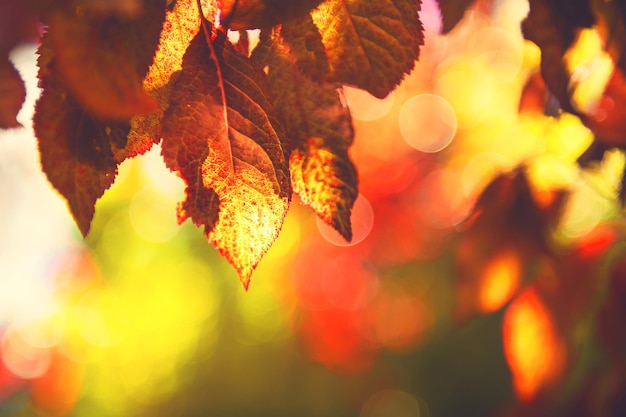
(243, 126)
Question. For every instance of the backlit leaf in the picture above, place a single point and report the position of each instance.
(370, 44)
(220, 134)
(102, 59)
(181, 25)
(12, 93)
(252, 14)
(76, 149)
(320, 126)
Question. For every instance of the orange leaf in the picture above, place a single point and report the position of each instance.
(370, 44)
(219, 134)
(533, 348)
(180, 27)
(319, 125)
(77, 150)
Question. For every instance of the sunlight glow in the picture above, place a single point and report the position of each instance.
(152, 214)
(500, 279)
(591, 69)
(101, 318)
(532, 346)
(498, 50)
(427, 122)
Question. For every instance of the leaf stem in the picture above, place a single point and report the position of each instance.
(207, 29)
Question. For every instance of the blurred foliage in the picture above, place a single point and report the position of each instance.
(486, 275)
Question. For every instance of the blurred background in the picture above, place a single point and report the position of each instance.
(144, 318)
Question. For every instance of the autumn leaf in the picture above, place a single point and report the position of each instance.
(552, 25)
(221, 136)
(452, 11)
(102, 59)
(12, 94)
(253, 14)
(76, 149)
(182, 22)
(319, 125)
(370, 44)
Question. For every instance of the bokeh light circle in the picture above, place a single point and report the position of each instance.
(100, 318)
(427, 122)
(23, 359)
(441, 200)
(362, 218)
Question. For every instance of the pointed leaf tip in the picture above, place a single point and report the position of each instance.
(218, 133)
(319, 125)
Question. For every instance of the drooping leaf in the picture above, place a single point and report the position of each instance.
(253, 14)
(181, 25)
(320, 126)
(220, 134)
(452, 11)
(552, 25)
(370, 44)
(102, 59)
(76, 149)
(12, 94)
